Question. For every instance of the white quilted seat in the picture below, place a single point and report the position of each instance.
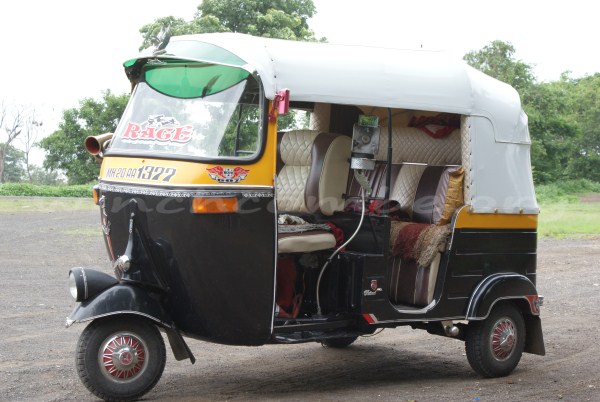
(311, 181)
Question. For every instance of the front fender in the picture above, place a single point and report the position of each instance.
(121, 299)
(124, 299)
(501, 287)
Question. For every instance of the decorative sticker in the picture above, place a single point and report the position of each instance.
(158, 129)
(227, 175)
(374, 289)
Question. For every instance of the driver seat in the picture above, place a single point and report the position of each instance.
(312, 180)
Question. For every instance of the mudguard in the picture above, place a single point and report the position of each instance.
(121, 299)
(514, 287)
(501, 287)
(125, 299)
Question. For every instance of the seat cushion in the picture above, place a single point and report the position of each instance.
(411, 284)
(295, 150)
(305, 242)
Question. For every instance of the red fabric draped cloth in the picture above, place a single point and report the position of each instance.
(418, 241)
(337, 233)
(407, 237)
(437, 126)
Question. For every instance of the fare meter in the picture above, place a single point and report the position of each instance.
(365, 142)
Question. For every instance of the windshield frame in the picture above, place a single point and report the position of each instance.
(239, 160)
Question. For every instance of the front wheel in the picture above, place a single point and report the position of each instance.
(494, 346)
(120, 358)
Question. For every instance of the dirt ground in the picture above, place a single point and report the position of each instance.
(37, 352)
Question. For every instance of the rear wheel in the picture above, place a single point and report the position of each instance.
(494, 346)
(120, 358)
(338, 343)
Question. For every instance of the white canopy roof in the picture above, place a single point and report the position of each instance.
(373, 76)
(500, 169)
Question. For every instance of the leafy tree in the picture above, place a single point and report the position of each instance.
(240, 134)
(554, 131)
(29, 138)
(14, 164)
(268, 18)
(497, 60)
(64, 148)
(585, 104)
(13, 128)
(39, 175)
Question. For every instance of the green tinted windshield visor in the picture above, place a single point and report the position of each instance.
(192, 79)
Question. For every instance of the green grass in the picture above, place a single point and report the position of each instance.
(44, 204)
(565, 191)
(36, 190)
(569, 219)
(84, 232)
(26, 197)
(562, 212)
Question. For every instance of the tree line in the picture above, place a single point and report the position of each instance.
(564, 115)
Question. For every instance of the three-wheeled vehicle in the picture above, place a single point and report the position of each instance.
(264, 191)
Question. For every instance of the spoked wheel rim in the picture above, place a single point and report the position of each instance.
(503, 339)
(123, 357)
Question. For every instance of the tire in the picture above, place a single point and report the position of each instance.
(338, 343)
(128, 375)
(495, 345)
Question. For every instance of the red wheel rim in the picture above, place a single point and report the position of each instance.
(503, 339)
(123, 357)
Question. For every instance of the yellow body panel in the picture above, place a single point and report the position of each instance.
(469, 220)
(170, 172)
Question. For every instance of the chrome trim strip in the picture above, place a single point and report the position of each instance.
(452, 227)
(475, 318)
(70, 322)
(256, 192)
(85, 284)
(458, 318)
(247, 186)
(485, 282)
(476, 290)
(276, 254)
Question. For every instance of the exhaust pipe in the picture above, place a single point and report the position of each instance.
(95, 145)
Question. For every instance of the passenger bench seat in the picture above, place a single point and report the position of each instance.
(312, 180)
(423, 190)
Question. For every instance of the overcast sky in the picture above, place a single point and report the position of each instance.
(55, 53)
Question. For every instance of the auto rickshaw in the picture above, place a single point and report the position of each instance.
(260, 191)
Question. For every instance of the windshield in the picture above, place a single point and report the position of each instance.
(192, 111)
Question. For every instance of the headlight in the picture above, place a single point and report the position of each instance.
(87, 283)
(78, 285)
(72, 285)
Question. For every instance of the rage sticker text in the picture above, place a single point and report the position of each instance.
(158, 129)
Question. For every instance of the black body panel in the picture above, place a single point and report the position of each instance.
(474, 255)
(477, 254)
(215, 271)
